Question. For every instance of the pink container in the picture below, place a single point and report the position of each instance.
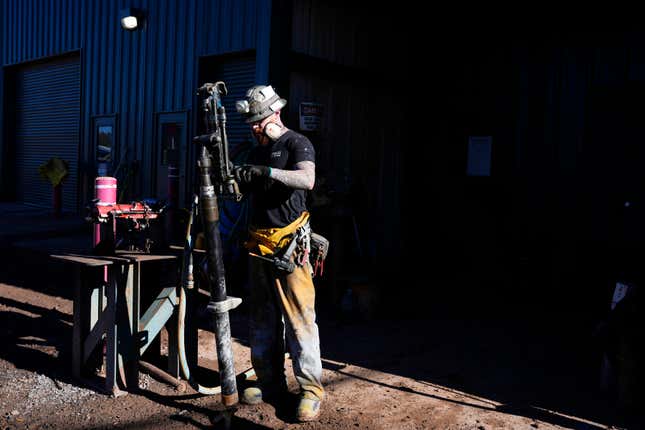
(105, 192)
(105, 189)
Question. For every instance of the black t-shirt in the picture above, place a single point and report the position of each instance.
(273, 203)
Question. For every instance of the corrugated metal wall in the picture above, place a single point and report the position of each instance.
(342, 60)
(334, 32)
(555, 86)
(133, 75)
(552, 205)
(572, 184)
(238, 72)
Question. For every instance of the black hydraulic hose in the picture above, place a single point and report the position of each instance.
(189, 283)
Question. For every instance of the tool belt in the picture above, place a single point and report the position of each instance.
(290, 246)
(319, 250)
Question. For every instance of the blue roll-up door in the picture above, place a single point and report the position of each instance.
(47, 109)
(239, 75)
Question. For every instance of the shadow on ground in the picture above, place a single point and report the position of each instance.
(525, 360)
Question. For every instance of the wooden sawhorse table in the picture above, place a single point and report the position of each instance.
(111, 310)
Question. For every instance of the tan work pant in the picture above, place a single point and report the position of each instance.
(282, 307)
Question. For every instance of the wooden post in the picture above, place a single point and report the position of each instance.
(57, 200)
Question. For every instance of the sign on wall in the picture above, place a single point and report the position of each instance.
(310, 116)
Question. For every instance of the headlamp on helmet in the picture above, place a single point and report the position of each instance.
(261, 101)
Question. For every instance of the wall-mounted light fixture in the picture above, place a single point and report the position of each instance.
(131, 19)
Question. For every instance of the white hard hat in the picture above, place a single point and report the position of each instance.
(260, 102)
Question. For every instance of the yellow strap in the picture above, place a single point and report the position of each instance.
(268, 239)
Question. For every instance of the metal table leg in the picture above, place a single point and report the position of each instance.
(112, 330)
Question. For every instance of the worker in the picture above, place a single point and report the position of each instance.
(282, 308)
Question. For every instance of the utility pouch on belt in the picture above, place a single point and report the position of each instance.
(291, 246)
(319, 250)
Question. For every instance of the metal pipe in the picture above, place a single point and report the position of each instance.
(156, 372)
(217, 281)
(247, 374)
(219, 303)
(188, 283)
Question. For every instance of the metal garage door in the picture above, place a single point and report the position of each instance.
(47, 113)
(238, 73)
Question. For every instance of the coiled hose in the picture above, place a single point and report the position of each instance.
(182, 350)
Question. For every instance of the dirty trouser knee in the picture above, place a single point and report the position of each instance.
(266, 327)
(289, 298)
(297, 299)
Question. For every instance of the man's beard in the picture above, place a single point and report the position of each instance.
(262, 138)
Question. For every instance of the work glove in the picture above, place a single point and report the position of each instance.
(245, 174)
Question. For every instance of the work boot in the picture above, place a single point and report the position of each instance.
(251, 396)
(255, 394)
(309, 407)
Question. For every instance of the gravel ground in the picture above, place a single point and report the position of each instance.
(378, 375)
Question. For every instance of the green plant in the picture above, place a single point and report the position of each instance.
(54, 170)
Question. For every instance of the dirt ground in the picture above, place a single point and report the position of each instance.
(439, 372)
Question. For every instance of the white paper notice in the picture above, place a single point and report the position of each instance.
(310, 116)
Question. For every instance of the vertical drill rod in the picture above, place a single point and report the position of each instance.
(216, 278)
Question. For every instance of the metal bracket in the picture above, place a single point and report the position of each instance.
(224, 305)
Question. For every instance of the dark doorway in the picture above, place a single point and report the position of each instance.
(612, 186)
